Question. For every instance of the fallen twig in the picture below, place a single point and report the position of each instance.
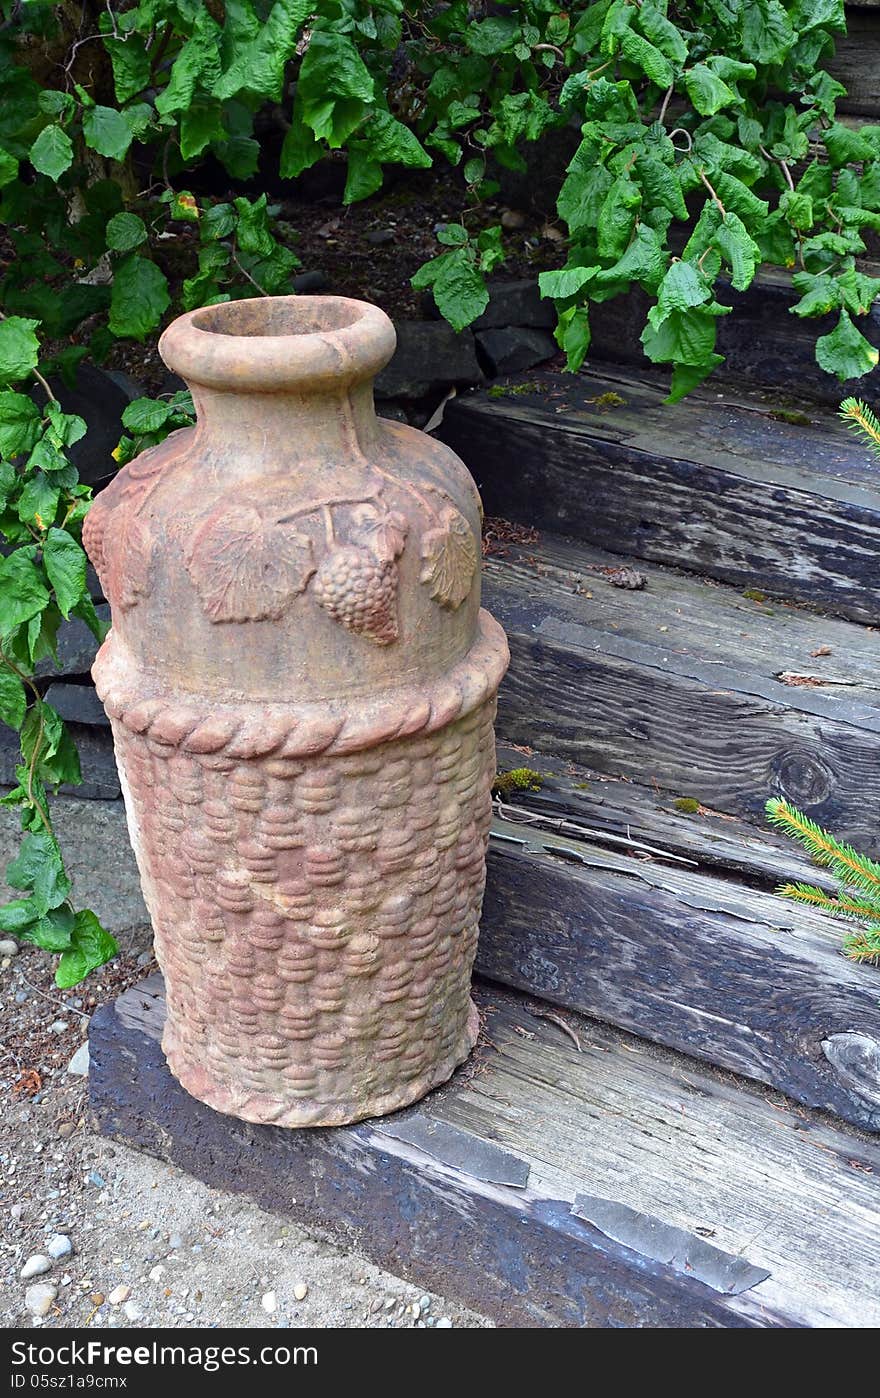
(560, 1022)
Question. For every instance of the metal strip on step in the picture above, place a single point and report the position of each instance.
(460, 1150)
(663, 1242)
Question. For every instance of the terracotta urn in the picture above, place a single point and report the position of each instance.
(301, 686)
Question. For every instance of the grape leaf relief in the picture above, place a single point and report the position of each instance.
(449, 559)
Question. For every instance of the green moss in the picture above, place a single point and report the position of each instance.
(520, 779)
(608, 400)
(755, 594)
(796, 419)
(511, 390)
(688, 805)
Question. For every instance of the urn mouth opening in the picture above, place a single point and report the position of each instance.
(270, 344)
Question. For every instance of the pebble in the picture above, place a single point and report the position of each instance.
(8, 947)
(132, 1311)
(39, 1298)
(97, 1179)
(59, 1246)
(269, 1303)
(157, 1273)
(175, 1242)
(118, 1295)
(59, 1026)
(300, 1291)
(79, 1063)
(35, 1266)
(425, 1302)
(444, 1323)
(16, 1211)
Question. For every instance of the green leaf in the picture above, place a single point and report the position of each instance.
(767, 34)
(46, 743)
(683, 337)
(197, 63)
(845, 352)
(460, 290)
(688, 376)
(139, 299)
(19, 348)
(492, 36)
(91, 946)
(846, 146)
(738, 198)
(146, 415)
(131, 65)
(661, 185)
(39, 868)
(644, 261)
(253, 233)
(568, 281)
(646, 57)
(618, 216)
(22, 591)
(573, 335)
(454, 235)
(740, 250)
(682, 287)
(333, 88)
(8, 168)
(19, 424)
(52, 152)
(662, 32)
(200, 124)
(85, 610)
(301, 149)
(17, 916)
(364, 175)
(13, 698)
(125, 232)
(106, 131)
(218, 222)
(797, 208)
(38, 502)
(65, 564)
(392, 143)
(583, 193)
(258, 65)
(707, 91)
(51, 932)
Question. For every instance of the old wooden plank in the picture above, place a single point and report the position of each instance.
(784, 1190)
(693, 726)
(856, 62)
(573, 798)
(706, 965)
(713, 488)
(519, 1255)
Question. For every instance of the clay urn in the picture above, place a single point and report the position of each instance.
(301, 686)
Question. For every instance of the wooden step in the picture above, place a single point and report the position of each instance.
(715, 484)
(609, 1185)
(683, 685)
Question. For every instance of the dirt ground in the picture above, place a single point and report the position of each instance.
(150, 1246)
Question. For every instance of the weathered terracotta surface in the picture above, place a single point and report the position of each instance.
(302, 685)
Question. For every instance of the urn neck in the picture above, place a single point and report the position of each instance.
(246, 433)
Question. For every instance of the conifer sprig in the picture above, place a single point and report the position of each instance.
(859, 878)
(858, 416)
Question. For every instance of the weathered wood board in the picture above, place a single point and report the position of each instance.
(856, 62)
(596, 680)
(706, 965)
(481, 1191)
(714, 484)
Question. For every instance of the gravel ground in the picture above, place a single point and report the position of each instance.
(112, 1238)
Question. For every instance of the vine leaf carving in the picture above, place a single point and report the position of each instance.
(449, 559)
(133, 560)
(382, 531)
(246, 568)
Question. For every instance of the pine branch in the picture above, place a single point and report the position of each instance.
(847, 865)
(864, 946)
(859, 417)
(842, 906)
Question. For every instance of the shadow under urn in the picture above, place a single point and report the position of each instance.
(301, 685)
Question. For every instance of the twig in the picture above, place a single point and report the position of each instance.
(715, 198)
(245, 273)
(518, 815)
(560, 1022)
(53, 1001)
(662, 113)
(44, 385)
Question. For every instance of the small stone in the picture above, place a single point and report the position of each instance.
(175, 1241)
(97, 1179)
(269, 1302)
(8, 947)
(415, 1310)
(16, 1211)
(512, 219)
(39, 1298)
(444, 1323)
(389, 1304)
(59, 1026)
(59, 1246)
(79, 1063)
(157, 1273)
(118, 1295)
(425, 1302)
(132, 1312)
(378, 237)
(300, 1291)
(35, 1266)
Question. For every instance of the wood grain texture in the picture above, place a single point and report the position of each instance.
(856, 62)
(702, 964)
(713, 487)
(619, 699)
(620, 1120)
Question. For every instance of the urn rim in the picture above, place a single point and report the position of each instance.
(272, 344)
